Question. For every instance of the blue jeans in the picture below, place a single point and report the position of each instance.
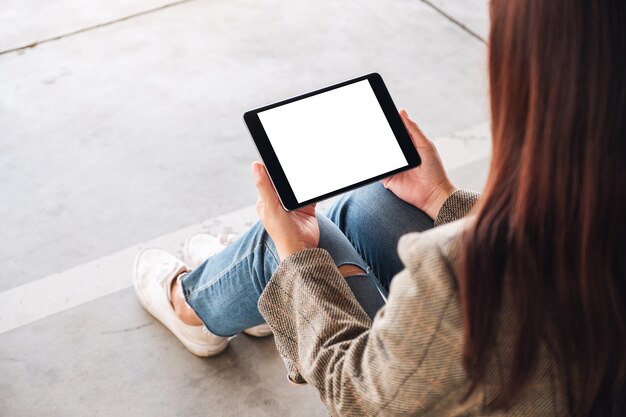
(362, 229)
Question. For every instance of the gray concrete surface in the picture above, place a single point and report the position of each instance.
(110, 358)
(472, 14)
(27, 22)
(125, 132)
(141, 121)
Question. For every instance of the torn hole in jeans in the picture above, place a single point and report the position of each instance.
(356, 269)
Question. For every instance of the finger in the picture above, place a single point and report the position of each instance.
(259, 206)
(267, 194)
(418, 138)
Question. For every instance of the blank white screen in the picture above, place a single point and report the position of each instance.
(332, 140)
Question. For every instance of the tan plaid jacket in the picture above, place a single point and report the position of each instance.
(408, 360)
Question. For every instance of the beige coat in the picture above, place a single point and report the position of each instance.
(408, 360)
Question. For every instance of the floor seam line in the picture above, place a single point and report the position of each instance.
(454, 20)
(97, 26)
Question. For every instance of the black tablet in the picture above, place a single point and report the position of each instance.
(332, 140)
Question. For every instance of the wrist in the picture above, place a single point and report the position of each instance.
(439, 196)
(287, 250)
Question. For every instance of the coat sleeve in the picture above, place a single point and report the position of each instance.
(458, 205)
(406, 362)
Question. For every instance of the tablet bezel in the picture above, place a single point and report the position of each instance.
(275, 170)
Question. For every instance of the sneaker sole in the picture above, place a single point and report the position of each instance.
(258, 333)
(197, 349)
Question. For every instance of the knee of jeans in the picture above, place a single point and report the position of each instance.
(334, 213)
(355, 203)
(343, 210)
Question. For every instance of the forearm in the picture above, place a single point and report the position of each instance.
(405, 362)
(301, 295)
(323, 335)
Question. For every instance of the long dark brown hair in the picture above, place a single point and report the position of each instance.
(550, 232)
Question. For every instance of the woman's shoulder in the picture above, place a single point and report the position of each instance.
(439, 242)
(431, 257)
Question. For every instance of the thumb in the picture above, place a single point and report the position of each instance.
(267, 194)
(418, 138)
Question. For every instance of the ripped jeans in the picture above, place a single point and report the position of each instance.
(362, 228)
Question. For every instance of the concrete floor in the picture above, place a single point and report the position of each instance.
(122, 133)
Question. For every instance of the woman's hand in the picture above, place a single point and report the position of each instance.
(291, 231)
(426, 187)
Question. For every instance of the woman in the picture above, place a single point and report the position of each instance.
(517, 309)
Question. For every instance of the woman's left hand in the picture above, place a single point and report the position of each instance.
(291, 231)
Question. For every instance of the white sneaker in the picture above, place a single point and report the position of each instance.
(199, 248)
(202, 246)
(153, 274)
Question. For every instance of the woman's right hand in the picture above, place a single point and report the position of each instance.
(426, 187)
